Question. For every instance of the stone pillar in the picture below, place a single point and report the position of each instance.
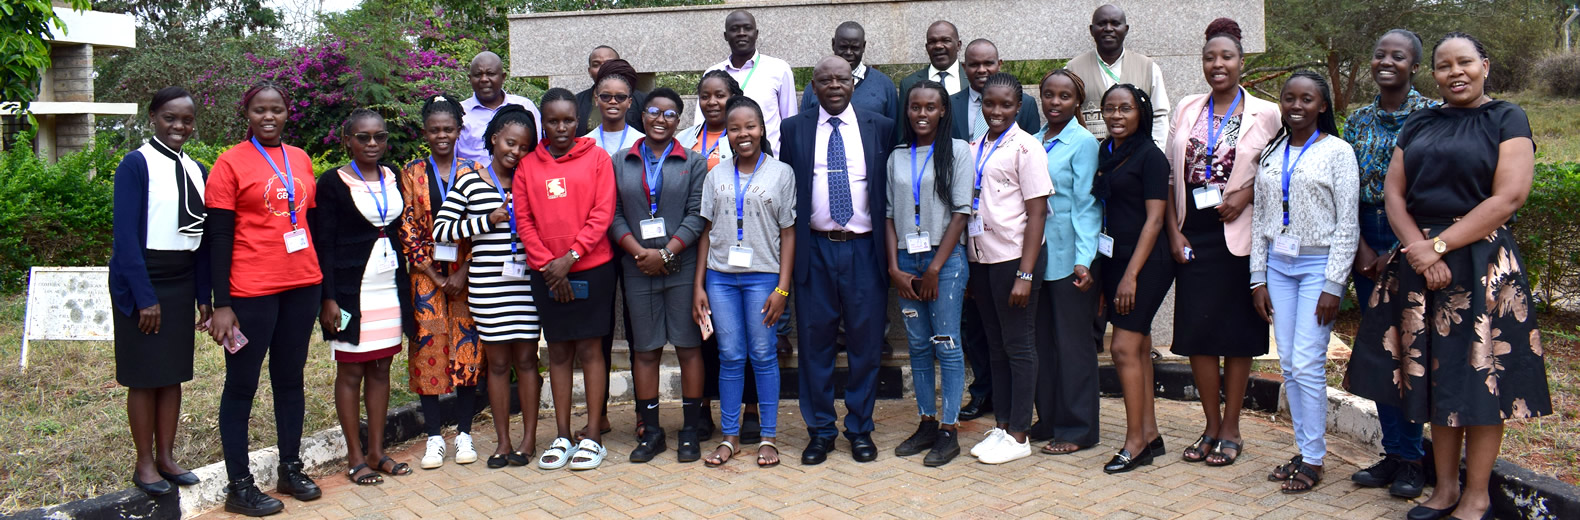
(71, 80)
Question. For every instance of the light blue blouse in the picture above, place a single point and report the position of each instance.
(1074, 217)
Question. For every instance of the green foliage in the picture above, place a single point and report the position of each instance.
(1558, 73)
(54, 213)
(159, 19)
(216, 77)
(23, 53)
(1548, 232)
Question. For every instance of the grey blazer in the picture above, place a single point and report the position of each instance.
(679, 204)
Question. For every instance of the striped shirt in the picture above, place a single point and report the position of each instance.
(503, 308)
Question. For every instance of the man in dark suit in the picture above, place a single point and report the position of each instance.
(966, 107)
(874, 90)
(586, 119)
(839, 154)
(943, 55)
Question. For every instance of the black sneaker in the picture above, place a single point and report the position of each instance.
(1379, 474)
(945, 448)
(651, 444)
(688, 450)
(244, 498)
(1409, 481)
(923, 439)
(294, 482)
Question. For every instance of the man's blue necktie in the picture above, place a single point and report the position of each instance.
(839, 206)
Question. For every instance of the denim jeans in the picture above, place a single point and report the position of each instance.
(933, 328)
(736, 301)
(1295, 285)
(1401, 437)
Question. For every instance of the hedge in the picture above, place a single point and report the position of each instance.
(1547, 229)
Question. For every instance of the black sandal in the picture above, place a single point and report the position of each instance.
(1285, 471)
(497, 461)
(372, 478)
(1198, 452)
(1217, 449)
(517, 458)
(400, 469)
(1306, 476)
(713, 460)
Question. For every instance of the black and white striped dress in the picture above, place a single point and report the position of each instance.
(502, 308)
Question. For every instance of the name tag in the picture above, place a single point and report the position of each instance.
(1287, 245)
(1207, 197)
(515, 270)
(975, 227)
(653, 228)
(740, 256)
(446, 252)
(1105, 245)
(918, 243)
(295, 240)
(386, 261)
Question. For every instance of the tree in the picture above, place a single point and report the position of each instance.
(163, 18)
(23, 53)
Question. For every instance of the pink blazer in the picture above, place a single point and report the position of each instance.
(1260, 120)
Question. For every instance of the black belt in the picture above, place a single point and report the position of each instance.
(841, 235)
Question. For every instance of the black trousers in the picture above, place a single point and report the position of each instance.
(974, 344)
(1012, 337)
(1067, 363)
(280, 326)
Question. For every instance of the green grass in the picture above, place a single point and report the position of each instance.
(66, 417)
(1554, 121)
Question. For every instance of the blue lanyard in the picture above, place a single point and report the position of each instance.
(286, 178)
(1289, 168)
(510, 207)
(740, 196)
(976, 193)
(1214, 131)
(383, 202)
(916, 179)
(444, 188)
(706, 150)
(654, 180)
(603, 139)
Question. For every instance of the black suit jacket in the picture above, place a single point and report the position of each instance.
(960, 108)
(587, 119)
(798, 136)
(958, 71)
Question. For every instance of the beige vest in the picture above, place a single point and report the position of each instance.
(1135, 69)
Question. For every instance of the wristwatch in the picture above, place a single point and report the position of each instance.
(576, 256)
(1023, 275)
(1439, 246)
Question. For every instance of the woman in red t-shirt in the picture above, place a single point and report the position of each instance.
(266, 291)
(565, 197)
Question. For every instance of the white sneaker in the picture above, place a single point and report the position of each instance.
(1005, 450)
(559, 452)
(589, 454)
(993, 437)
(464, 454)
(435, 455)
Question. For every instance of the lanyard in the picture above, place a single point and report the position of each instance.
(444, 188)
(706, 150)
(1107, 70)
(976, 193)
(740, 196)
(916, 179)
(383, 202)
(748, 73)
(1289, 168)
(510, 207)
(286, 179)
(1054, 143)
(1214, 131)
(653, 181)
(603, 139)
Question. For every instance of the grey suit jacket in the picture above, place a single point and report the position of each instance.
(679, 204)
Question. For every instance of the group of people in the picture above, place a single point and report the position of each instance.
(525, 218)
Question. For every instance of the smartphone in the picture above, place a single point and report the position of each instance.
(707, 326)
(345, 319)
(579, 290)
(237, 340)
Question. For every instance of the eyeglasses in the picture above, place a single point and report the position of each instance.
(366, 138)
(670, 115)
(1121, 109)
(614, 98)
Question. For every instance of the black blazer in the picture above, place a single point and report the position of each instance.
(1029, 117)
(798, 135)
(958, 71)
(587, 119)
(343, 240)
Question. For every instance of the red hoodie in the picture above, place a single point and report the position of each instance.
(565, 203)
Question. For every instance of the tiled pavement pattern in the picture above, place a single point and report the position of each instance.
(1069, 486)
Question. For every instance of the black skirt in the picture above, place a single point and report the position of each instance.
(1152, 285)
(164, 358)
(590, 317)
(1213, 313)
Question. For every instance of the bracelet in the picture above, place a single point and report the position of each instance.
(1023, 275)
(782, 292)
(1258, 284)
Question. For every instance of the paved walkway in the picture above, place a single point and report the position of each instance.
(1071, 486)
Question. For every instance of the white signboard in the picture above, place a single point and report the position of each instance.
(68, 303)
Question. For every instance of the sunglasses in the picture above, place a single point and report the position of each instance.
(669, 115)
(366, 138)
(614, 98)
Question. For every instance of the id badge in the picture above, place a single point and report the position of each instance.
(740, 256)
(918, 243)
(653, 228)
(975, 227)
(515, 270)
(1207, 197)
(1105, 245)
(1287, 245)
(295, 240)
(446, 252)
(386, 261)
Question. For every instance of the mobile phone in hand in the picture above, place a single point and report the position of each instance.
(237, 340)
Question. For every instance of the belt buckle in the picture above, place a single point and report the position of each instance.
(840, 235)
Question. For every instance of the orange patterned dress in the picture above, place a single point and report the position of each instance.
(445, 351)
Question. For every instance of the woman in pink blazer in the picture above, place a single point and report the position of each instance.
(1212, 150)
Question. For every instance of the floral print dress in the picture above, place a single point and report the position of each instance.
(445, 351)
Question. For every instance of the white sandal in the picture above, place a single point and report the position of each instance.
(589, 454)
(557, 450)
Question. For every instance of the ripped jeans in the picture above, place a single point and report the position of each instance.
(933, 328)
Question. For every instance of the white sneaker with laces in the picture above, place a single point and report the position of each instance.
(464, 454)
(435, 455)
(1006, 450)
(588, 455)
(993, 437)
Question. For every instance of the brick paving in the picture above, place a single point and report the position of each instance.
(1041, 486)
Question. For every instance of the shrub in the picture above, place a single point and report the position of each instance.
(1558, 73)
(1548, 232)
(54, 214)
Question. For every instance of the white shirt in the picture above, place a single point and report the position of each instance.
(1160, 97)
(615, 149)
(953, 83)
(855, 172)
(768, 81)
(164, 202)
(859, 73)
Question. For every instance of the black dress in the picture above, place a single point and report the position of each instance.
(1469, 354)
(1145, 176)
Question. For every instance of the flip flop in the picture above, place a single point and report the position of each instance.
(760, 462)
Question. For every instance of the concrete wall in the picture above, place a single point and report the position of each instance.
(70, 79)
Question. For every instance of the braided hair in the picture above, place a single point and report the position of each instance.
(1226, 28)
(616, 69)
(442, 104)
(1109, 157)
(1326, 122)
(356, 117)
(513, 114)
(1480, 49)
(943, 145)
(746, 102)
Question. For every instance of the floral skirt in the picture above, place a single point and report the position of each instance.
(445, 351)
(1468, 354)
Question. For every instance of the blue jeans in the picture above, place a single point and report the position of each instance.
(1295, 285)
(1401, 437)
(736, 301)
(933, 328)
